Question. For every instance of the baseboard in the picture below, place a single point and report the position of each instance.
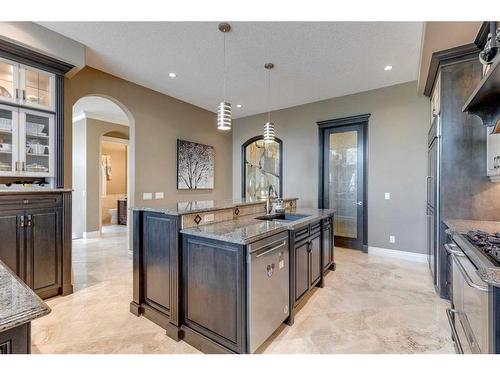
(406, 255)
(94, 234)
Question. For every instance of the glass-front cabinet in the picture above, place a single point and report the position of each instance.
(26, 142)
(9, 140)
(26, 86)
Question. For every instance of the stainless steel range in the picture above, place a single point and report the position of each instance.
(474, 315)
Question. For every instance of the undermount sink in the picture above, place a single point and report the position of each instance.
(282, 217)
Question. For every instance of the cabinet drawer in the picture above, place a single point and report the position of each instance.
(13, 202)
(315, 228)
(301, 233)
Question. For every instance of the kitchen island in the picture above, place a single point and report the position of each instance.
(19, 305)
(193, 269)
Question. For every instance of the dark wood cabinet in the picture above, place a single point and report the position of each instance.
(214, 285)
(36, 241)
(301, 269)
(156, 269)
(16, 340)
(12, 241)
(43, 250)
(328, 245)
(315, 260)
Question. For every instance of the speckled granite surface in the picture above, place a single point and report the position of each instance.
(486, 270)
(32, 191)
(247, 229)
(183, 208)
(18, 303)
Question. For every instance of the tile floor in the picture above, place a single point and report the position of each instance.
(370, 304)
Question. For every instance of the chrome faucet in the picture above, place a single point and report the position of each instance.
(271, 193)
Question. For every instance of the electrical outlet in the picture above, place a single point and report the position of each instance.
(208, 218)
(387, 195)
(159, 195)
(392, 239)
(147, 196)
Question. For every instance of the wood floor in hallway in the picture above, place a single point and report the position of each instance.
(370, 304)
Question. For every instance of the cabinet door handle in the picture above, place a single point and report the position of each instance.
(24, 95)
(17, 93)
(30, 221)
(23, 166)
(21, 221)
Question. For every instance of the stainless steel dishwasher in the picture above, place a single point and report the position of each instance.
(268, 280)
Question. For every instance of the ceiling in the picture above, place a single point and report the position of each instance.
(313, 60)
(101, 109)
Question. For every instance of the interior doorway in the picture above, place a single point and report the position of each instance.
(113, 182)
(343, 178)
(101, 188)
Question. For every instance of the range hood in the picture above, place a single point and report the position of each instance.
(485, 100)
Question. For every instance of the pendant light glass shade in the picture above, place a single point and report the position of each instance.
(224, 116)
(269, 132)
(269, 126)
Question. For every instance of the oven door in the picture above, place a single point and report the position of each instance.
(470, 303)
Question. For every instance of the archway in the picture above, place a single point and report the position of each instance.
(94, 117)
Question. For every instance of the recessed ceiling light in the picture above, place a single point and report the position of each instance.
(172, 75)
(388, 67)
(239, 105)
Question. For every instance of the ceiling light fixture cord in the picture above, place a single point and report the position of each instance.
(268, 95)
(224, 80)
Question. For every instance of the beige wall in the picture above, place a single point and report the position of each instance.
(157, 121)
(397, 157)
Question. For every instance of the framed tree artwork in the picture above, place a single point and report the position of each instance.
(195, 166)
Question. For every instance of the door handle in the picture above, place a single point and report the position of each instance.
(466, 276)
(29, 221)
(24, 95)
(359, 203)
(17, 93)
(21, 221)
(427, 179)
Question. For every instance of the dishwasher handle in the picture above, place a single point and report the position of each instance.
(269, 250)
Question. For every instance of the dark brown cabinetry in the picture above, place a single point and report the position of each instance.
(16, 340)
(156, 263)
(327, 238)
(36, 241)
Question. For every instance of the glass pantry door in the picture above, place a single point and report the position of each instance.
(8, 140)
(37, 132)
(9, 81)
(344, 183)
(38, 88)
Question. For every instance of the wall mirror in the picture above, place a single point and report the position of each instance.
(262, 165)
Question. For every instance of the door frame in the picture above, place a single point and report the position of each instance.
(323, 128)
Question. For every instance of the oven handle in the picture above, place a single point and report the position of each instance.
(466, 276)
(454, 332)
(450, 249)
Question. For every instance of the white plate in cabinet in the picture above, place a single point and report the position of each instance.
(26, 142)
(493, 155)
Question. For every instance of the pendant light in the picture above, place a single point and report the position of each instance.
(269, 126)
(224, 109)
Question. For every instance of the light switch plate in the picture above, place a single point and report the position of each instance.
(159, 195)
(387, 195)
(147, 196)
(392, 239)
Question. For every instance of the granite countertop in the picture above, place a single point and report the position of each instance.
(18, 303)
(182, 208)
(486, 270)
(247, 229)
(32, 190)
